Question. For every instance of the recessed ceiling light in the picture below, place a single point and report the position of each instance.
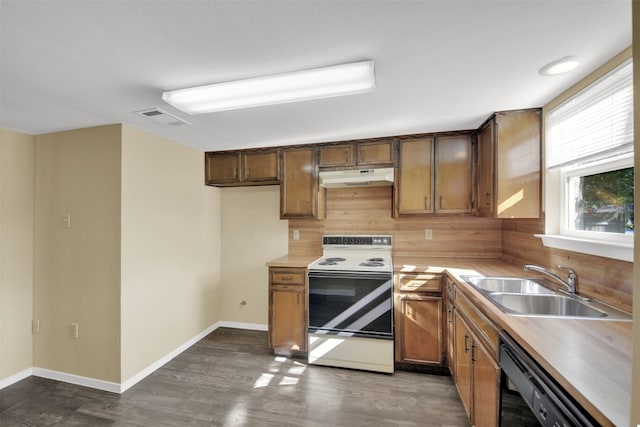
(560, 66)
(317, 83)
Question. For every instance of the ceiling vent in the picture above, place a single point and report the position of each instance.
(162, 117)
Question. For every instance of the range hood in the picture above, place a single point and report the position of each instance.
(357, 178)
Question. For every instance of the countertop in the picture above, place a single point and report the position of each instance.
(292, 261)
(591, 359)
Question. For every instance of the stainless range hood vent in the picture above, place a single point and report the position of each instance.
(357, 178)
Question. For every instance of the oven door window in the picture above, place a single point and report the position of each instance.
(351, 304)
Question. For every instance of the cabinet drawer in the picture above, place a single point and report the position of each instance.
(424, 282)
(289, 277)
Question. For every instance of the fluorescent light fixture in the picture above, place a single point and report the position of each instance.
(345, 79)
(560, 66)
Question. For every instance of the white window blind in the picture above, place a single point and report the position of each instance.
(597, 120)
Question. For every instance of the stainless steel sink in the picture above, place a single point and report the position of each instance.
(522, 296)
(545, 305)
(519, 285)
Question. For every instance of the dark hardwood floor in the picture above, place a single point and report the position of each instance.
(231, 378)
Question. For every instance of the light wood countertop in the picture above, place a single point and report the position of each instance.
(292, 261)
(591, 359)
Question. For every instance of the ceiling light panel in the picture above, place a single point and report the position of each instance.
(345, 79)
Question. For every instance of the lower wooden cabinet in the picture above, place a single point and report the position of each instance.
(287, 310)
(420, 331)
(477, 373)
(418, 319)
(486, 386)
(449, 336)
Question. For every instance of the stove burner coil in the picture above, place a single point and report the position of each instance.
(334, 259)
(371, 264)
(375, 260)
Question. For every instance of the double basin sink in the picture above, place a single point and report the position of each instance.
(521, 296)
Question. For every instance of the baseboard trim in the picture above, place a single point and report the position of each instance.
(17, 377)
(241, 325)
(77, 380)
(165, 359)
(122, 387)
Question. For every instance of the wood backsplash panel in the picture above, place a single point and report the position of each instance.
(367, 210)
(606, 279)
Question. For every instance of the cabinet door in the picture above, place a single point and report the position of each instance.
(222, 168)
(298, 184)
(421, 329)
(415, 183)
(376, 153)
(337, 155)
(518, 164)
(260, 167)
(287, 324)
(463, 361)
(450, 337)
(485, 170)
(486, 387)
(453, 174)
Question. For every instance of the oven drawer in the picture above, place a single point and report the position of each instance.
(419, 282)
(288, 276)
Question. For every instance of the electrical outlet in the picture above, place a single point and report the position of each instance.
(254, 234)
(296, 234)
(67, 221)
(428, 234)
(74, 330)
(35, 326)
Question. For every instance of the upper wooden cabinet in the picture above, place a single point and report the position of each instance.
(378, 153)
(300, 196)
(434, 175)
(453, 174)
(337, 155)
(225, 169)
(415, 176)
(509, 165)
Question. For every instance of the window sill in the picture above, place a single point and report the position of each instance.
(618, 251)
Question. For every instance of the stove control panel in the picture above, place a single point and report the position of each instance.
(357, 240)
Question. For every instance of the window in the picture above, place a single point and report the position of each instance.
(599, 199)
(589, 141)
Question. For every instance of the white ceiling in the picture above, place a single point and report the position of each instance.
(440, 65)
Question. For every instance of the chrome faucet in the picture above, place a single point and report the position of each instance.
(571, 283)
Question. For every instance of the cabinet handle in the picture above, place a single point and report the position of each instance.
(298, 299)
(449, 316)
(488, 199)
(426, 202)
(473, 353)
(466, 344)
(346, 156)
(247, 173)
(440, 202)
(235, 173)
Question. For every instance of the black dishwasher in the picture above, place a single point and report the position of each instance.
(529, 396)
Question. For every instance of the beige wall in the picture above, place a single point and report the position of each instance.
(77, 269)
(252, 234)
(16, 251)
(170, 249)
(635, 392)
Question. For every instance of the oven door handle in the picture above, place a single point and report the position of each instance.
(360, 275)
